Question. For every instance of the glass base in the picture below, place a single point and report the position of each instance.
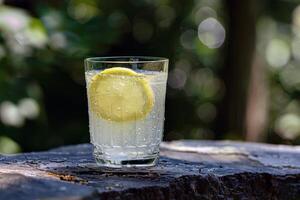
(126, 157)
(134, 163)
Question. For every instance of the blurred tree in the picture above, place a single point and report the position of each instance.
(239, 50)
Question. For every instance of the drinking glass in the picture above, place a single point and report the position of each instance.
(126, 100)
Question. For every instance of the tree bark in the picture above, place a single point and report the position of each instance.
(257, 106)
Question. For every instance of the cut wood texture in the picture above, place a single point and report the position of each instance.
(187, 169)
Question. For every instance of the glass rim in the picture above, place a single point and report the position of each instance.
(110, 59)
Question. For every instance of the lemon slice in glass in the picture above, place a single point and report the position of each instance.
(120, 94)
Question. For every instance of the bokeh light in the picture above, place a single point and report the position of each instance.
(288, 126)
(8, 146)
(52, 19)
(296, 21)
(204, 12)
(277, 53)
(83, 10)
(21, 32)
(28, 108)
(207, 112)
(203, 83)
(177, 78)
(13, 19)
(10, 114)
(296, 48)
(184, 65)
(58, 40)
(187, 39)
(290, 77)
(211, 33)
(36, 34)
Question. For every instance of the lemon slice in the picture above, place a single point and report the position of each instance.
(120, 94)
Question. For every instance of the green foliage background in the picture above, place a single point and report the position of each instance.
(43, 44)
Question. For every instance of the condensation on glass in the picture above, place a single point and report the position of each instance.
(132, 143)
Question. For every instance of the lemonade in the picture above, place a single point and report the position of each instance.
(126, 114)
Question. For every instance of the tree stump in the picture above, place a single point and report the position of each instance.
(187, 169)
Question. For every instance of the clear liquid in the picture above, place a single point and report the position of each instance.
(118, 143)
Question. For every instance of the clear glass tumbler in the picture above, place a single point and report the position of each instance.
(126, 98)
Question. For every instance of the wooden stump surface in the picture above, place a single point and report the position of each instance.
(187, 169)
